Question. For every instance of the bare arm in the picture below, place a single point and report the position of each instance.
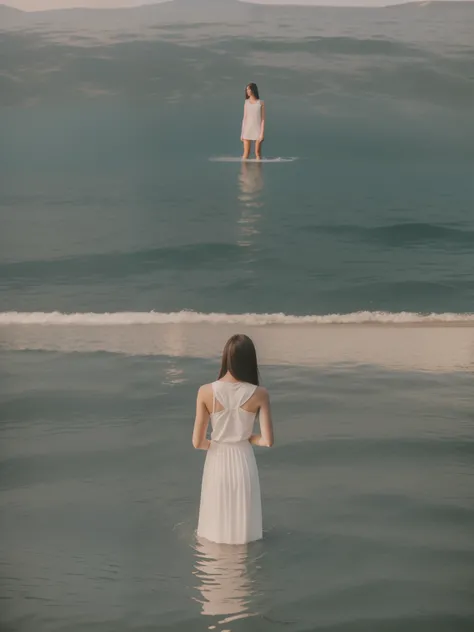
(265, 439)
(262, 125)
(200, 423)
(243, 122)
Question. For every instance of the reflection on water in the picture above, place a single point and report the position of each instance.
(173, 374)
(251, 187)
(174, 340)
(225, 579)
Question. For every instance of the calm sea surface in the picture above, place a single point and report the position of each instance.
(133, 242)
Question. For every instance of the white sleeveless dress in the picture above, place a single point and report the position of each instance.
(231, 509)
(251, 125)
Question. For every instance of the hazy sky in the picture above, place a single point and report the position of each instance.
(31, 5)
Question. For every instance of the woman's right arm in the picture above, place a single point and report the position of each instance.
(243, 122)
(265, 439)
(201, 422)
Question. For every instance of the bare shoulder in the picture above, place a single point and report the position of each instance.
(205, 397)
(205, 390)
(262, 394)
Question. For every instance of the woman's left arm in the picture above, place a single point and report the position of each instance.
(201, 422)
(262, 125)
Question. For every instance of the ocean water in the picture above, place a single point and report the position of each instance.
(134, 242)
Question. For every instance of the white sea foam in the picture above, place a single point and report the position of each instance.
(249, 319)
(239, 159)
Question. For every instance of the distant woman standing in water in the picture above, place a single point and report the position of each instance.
(253, 123)
(231, 509)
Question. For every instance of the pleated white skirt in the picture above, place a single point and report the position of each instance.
(231, 508)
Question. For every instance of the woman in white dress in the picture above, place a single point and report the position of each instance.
(253, 122)
(231, 510)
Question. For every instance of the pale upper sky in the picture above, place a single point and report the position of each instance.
(38, 5)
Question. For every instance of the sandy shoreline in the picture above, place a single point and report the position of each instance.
(415, 347)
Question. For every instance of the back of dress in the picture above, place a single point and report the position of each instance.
(233, 423)
(231, 510)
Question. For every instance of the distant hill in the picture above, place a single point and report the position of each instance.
(150, 16)
(437, 4)
(6, 10)
(10, 16)
(177, 11)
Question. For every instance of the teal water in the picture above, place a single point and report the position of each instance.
(166, 230)
(110, 123)
(367, 500)
(133, 243)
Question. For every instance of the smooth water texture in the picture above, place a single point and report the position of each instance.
(367, 500)
(134, 241)
(110, 201)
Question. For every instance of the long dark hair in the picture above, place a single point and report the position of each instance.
(254, 89)
(239, 358)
